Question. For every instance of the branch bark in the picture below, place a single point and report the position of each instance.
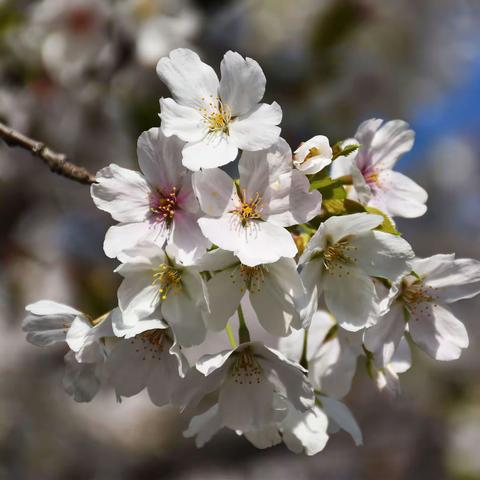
(57, 162)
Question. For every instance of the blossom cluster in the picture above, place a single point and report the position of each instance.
(300, 244)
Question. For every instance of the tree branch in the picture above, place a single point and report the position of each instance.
(57, 162)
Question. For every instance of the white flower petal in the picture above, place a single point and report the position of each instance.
(182, 121)
(257, 129)
(274, 299)
(313, 155)
(383, 338)
(187, 77)
(137, 297)
(381, 254)
(225, 290)
(213, 151)
(339, 227)
(160, 159)
(215, 191)
(341, 415)
(80, 380)
(399, 196)
(389, 142)
(246, 406)
(350, 296)
(204, 426)
(125, 236)
(184, 318)
(121, 192)
(129, 365)
(209, 363)
(451, 279)
(187, 242)
(287, 376)
(438, 332)
(264, 438)
(48, 307)
(263, 242)
(305, 432)
(242, 83)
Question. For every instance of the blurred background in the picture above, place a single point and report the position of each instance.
(80, 76)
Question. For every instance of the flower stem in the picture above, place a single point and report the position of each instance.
(303, 358)
(230, 336)
(243, 333)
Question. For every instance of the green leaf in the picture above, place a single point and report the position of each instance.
(339, 151)
(329, 188)
(387, 225)
(351, 206)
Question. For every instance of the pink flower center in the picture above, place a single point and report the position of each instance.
(163, 206)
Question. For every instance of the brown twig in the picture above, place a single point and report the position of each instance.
(57, 162)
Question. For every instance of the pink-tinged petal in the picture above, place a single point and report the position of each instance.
(121, 192)
(187, 243)
(212, 151)
(187, 77)
(242, 83)
(257, 130)
(160, 160)
(184, 122)
(398, 196)
(382, 145)
(438, 332)
(215, 191)
(128, 235)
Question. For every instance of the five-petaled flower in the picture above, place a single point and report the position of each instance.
(249, 218)
(375, 182)
(216, 118)
(158, 206)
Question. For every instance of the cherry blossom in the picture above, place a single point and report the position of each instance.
(341, 258)
(249, 219)
(157, 206)
(216, 118)
(375, 182)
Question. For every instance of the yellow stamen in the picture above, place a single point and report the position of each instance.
(168, 279)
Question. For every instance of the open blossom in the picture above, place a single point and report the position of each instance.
(250, 387)
(332, 354)
(250, 219)
(216, 118)
(158, 206)
(308, 432)
(49, 323)
(419, 302)
(151, 359)
(340, 260)
(371, 168)
(313, 155)
(276, 292)
(153, 279)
